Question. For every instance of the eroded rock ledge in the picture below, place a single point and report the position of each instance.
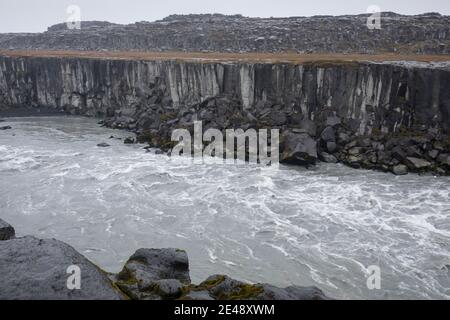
(36, 269)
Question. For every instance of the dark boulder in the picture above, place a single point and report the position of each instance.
(326, 157)
(103, 145)
(333, 121)
(221, 287)
(298, 149)
(400, 170)
(444, 159)
(5, 128)
(328, 135)
(128, 140)
(7, 232)
(416, 164)
(155, 274)
(35, 269)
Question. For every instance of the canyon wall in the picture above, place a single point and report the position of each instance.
(363, 98)
(385, 97)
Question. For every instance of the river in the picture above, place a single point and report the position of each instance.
(284, 226)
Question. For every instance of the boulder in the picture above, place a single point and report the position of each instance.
(328, 135)
(333, 121)
(7, 232)
(128, 140)
(444, 159)
(433, 153)
(155, 274)
(103, 145)
(221, 287)
(35, 269)
(331, 146)
(298, 149)
(400, 170)
(417, 164)
(326, 157)
(307, 126)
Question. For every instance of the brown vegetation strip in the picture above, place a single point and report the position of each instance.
(226, 57)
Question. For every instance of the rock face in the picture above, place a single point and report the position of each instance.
(220, 287)
(155, 274)
(7, 232)
(367, 115)
(35, 269)
(427, 33)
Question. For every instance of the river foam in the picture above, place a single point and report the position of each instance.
(284, 226)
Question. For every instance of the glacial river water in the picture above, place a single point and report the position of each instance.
(284, 226)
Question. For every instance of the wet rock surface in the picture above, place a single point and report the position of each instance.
(7, 232)
(36, 269)
(427, 33)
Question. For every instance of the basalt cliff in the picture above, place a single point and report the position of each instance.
(391, 116)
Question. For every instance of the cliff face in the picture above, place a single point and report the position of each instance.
(153, 96)
(386, 97)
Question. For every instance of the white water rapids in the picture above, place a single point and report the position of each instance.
(283, 226)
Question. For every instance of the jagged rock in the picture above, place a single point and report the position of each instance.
(328, 135)
(307, 126)
(444, 159)
(331, 146)
(35, 269)
(343, 138)
(155, 273)
(103, 145)
(333, 121)
(168, 288)
(400, 170)
(128, 140)
(291, 293)
(7, 232)
(417, 164)
(298, 149)
(433, 153)
(225, 288)
(326, 157)
(198, 295)
(398, 154)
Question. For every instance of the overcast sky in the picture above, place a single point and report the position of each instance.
(37, 15)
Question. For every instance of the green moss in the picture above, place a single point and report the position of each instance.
(127, 277)
(244, 292)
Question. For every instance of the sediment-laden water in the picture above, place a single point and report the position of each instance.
(284, 226)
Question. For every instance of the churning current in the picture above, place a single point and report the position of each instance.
(286, 226)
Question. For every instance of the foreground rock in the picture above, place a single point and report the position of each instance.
(155, 274)
(35, 269)
(220, 287)
(7, 232)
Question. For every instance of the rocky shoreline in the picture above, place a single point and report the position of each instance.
(37, 269)
(305, 143)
